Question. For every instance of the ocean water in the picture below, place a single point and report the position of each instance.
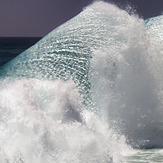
(88, 92)
(10, 47)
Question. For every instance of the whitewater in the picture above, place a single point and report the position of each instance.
(90, 91)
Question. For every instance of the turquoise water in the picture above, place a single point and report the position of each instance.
(90, 91)
(146, 156)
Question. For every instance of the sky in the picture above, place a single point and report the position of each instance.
(36, 18)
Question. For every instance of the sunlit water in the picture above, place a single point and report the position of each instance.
(88, 92)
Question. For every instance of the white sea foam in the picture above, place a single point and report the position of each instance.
(126, 76)
(43, 121)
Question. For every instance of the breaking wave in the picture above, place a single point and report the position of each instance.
(86, 92)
